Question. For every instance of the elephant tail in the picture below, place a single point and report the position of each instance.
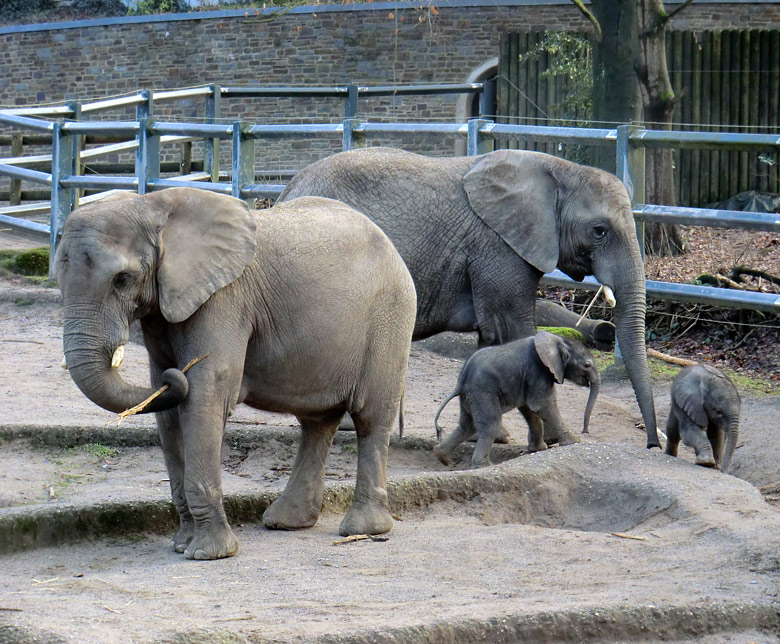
(440, 409)
(401, 415)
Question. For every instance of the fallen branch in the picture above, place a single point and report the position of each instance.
(143, 405)
(360, 537)
(622, 535)
(720, 281)
(682, 362)
(738, 271)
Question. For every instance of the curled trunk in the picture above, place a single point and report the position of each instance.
(88, 357)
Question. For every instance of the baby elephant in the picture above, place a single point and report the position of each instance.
(705, 407)
(518, 374)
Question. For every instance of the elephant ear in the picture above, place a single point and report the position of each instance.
(514, 193)
(552, 352)
(206, 242)
(689, 395)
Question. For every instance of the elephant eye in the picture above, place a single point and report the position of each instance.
(121, 280)
(599, 231)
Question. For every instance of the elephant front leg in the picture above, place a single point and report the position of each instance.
(170, 439)
(555, 430)
(212, 537)
(370, 509)
(696, 437)
(536, 441)
(300, 504)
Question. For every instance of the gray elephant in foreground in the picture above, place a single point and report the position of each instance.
(520, 374)
(478, 233)
(305, 309)
(705, 409)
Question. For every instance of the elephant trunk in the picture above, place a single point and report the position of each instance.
(595, 384)
(88, 356)
(732, 435)
(629, 317)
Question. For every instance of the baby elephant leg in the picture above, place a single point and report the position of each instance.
(696, 437)
(536, 441)
(486, 414)
(555, 430)
(443, 451)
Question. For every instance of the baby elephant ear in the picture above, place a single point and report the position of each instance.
(689, 392)
(206, 242)
(552, 352)
(514, 193)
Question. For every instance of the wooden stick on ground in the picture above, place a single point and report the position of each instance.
(142, 405)
(682, 362)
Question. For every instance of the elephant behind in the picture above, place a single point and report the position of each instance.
(305, 309)
(705, 410)
(478, 233)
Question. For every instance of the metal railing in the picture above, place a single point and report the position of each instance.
(146, 134)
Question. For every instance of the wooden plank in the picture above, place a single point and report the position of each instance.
(696, 100)
(732, 116)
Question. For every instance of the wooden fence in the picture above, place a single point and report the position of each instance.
(727, 81)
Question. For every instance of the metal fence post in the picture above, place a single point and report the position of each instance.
(477, 144)
(631, 171)
(349, 138)
(147, 156)
(62, 199)
(487, 99)
(211, 151)
(243, 160)
(17, 150)
(351, 104)
(78, 145)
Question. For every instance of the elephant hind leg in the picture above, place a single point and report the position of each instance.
(300, 503)
(370, 509)
(464, 431)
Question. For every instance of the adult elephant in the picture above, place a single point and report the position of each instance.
(477, 234)
(305, 308)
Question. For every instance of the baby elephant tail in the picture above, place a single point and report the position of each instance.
(438, 413)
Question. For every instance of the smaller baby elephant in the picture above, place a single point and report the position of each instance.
(519, 374)
(705, 407)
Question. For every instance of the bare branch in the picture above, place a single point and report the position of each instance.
(590, 16)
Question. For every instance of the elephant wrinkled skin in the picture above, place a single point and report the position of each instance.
(477, 234)
(305, 308)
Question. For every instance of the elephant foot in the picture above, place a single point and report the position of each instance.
(568, 439)
(533, 446)
(284, 514)
(212, 545)
(706, 461)
(480, 462)
(441, 456)
(183, 537)
(366, 520)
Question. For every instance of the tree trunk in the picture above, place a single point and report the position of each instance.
(616, 96)
(659, 101)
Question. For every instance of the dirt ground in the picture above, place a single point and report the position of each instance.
(603, 541)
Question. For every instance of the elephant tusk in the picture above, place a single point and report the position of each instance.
(609, 296)
(64, 363)
(119, 355)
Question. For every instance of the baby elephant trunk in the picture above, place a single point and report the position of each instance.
(594, 393)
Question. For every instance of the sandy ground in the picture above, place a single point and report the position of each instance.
(602, 541)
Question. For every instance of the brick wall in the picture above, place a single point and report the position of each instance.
(363, 44)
